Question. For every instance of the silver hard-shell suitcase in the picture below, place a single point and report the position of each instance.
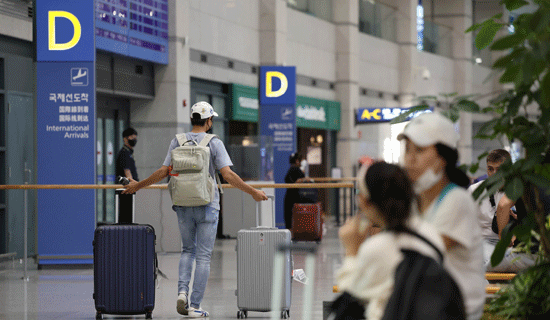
(256, 249)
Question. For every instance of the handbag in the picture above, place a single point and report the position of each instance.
(346, 307)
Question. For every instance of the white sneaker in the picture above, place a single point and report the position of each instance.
(197, 313)
(182, 304)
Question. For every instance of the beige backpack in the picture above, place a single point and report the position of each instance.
(191, 184)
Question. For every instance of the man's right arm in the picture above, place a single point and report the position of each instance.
(157, 176)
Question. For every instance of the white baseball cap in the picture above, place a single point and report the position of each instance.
(429, 129)
(204, 109)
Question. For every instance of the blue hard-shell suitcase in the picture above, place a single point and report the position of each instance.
(124, 269)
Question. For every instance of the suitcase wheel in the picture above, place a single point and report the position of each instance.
(242, 314)
(149, 315)
(99, 316)
(285, 314)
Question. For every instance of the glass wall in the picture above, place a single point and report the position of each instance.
(437, 39)
(319, 8)
(378, 20)
(432, 37)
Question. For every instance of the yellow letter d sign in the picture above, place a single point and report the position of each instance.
(269, 84)
(52, 44)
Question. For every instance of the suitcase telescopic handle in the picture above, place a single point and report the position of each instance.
(272, 197)
(278, 274)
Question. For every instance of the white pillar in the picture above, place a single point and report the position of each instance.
(346, 13)
(273, 28)
(458, 15)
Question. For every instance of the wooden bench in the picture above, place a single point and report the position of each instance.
(499, 276)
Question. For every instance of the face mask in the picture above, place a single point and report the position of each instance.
(132, 142)
(427, 180)
(209, 131)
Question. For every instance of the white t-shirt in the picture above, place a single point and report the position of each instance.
(456, 216)
(369, 275)
(486, 212)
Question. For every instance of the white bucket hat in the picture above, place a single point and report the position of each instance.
(204, 109)
(429, 129)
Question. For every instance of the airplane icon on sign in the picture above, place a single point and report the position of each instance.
(286, 113)
(79, 77)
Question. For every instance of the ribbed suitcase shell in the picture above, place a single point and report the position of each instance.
(256, 249)
(124, 269)
(306, 222)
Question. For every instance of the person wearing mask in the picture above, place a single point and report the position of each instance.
(430, 160)
(488, 206)
(292, 196)
(368, 270)
(198, 224)
(125, 163)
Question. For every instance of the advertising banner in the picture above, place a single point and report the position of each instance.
(277, 96)
(65, 127)
(373, 115)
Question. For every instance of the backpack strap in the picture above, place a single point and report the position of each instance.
(204, 142)
(421, 237)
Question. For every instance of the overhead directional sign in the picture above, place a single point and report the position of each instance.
(369, 115)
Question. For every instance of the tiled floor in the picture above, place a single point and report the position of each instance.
(67, 294)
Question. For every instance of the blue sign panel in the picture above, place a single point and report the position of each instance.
(277, 85)
(369, 115)
(65, 129)
(64, 30)
(277, 118)
(135, 28)
(66, 154)
(279, 122)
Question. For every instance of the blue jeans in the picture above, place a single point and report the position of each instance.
(198, 227)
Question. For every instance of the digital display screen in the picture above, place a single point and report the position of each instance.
(135, 28)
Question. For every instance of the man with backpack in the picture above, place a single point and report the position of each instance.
(192, 160)
(488, 206)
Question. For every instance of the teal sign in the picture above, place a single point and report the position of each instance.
(310, 112)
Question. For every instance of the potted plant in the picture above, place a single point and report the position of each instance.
(524, 70)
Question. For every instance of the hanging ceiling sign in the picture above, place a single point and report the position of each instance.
(370, 115)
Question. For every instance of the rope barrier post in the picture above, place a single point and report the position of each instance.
(25, 241)
(353, 193)
(337, 209)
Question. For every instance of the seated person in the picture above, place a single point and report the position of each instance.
(488, 206)
(385, 199)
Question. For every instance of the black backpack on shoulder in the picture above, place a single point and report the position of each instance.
(423, 289)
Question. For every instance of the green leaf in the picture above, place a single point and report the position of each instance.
(468, 106)
(405, 115)
(514, 189)
(508, 42)
(473, 27)
(510, 74)
(538, 180)
(545, 90)
(482, 156)
(479, 190)
(487, 126)
(449, 95)
(486, 34)
(502, 245)
(426, 98)
(452, 114)
(503, 62)
(512, 5)
(474, 168)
